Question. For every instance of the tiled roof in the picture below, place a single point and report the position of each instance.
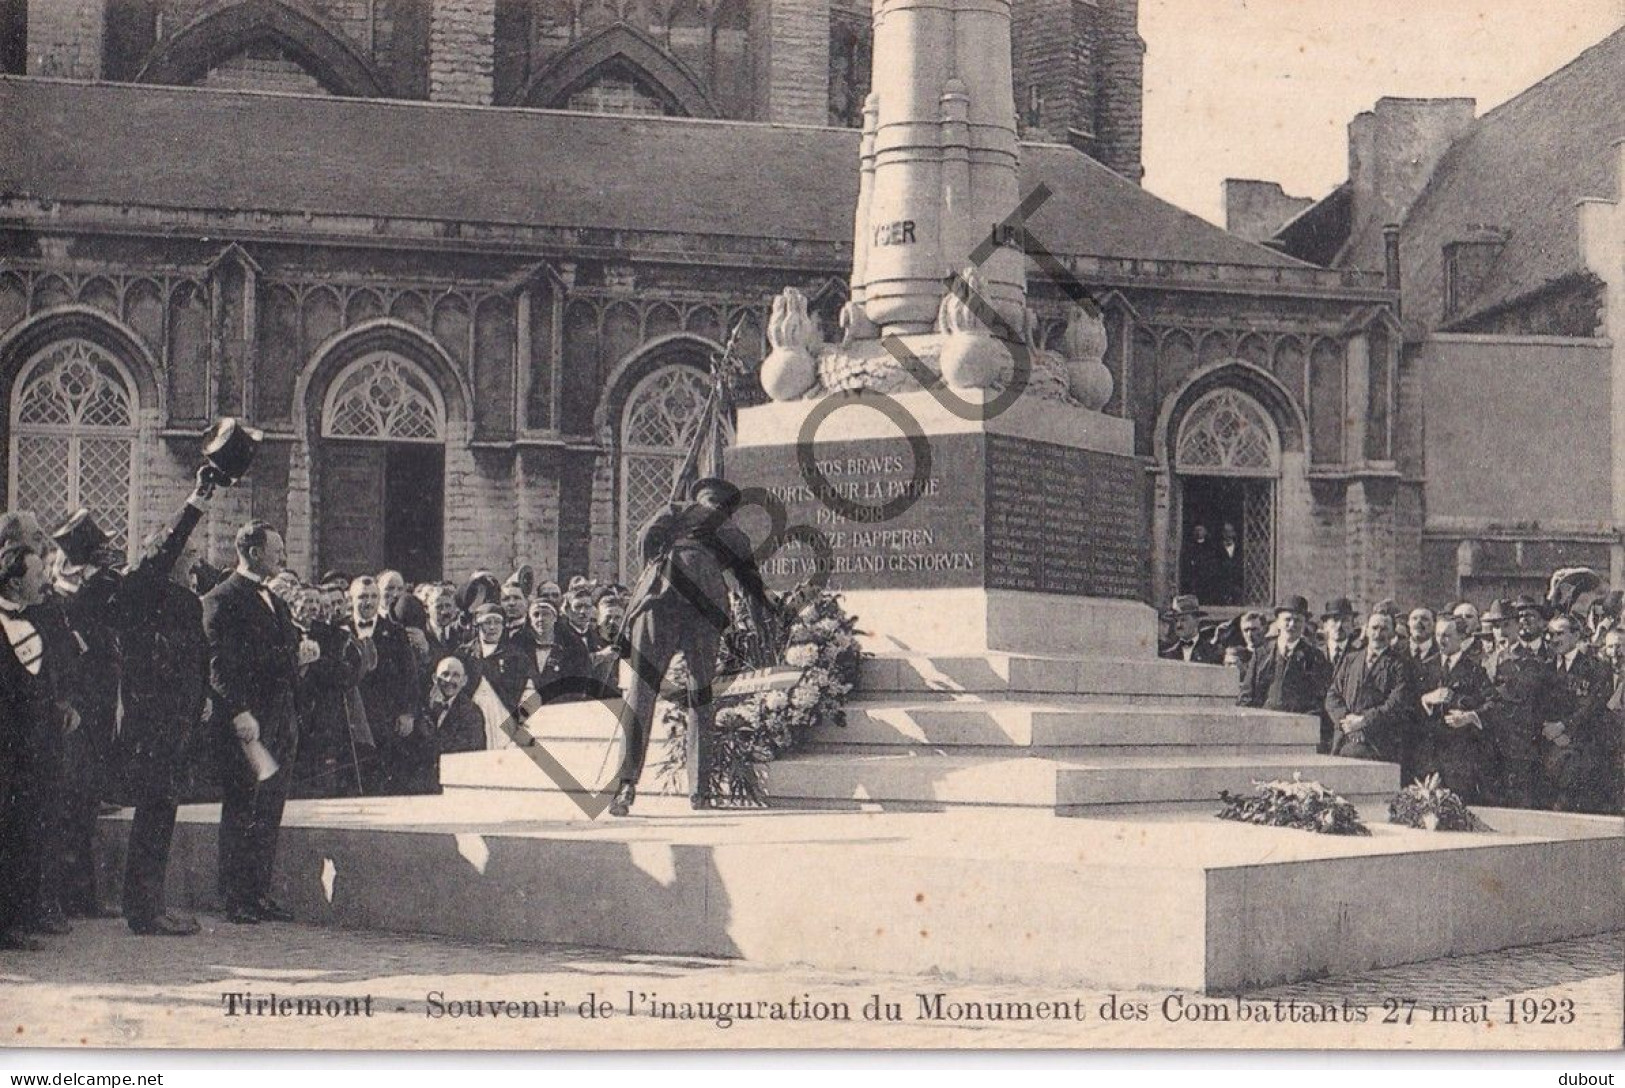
(187, 148)
(1521, 169)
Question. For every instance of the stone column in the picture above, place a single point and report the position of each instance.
(1356, 398)
(462, 51)
(1164, 576)
(65, 38)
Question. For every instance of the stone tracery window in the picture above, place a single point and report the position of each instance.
(385, 397)
(657, 426)
(1227, 433)
(73, 437)
(614, 94)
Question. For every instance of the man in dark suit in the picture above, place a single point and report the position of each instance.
(335, 757)
(34, 716)
(1339, 635)
(682, 605)
(254, 659)
(1452, 687)
(86, 586)
(449, 719)
(1610, 786)
(389, 689)
(1370, 700)
(561, 656)
(1287, 674)
(1572, 748)
(1186, 642)
(1197, 566)
(164, 692)
(1227, 568)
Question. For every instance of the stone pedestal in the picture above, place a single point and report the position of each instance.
(1023, 532)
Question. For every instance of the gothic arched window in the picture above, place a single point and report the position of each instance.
(384, 396)
(657, 426)
(615, 92)
(73, 437)
(1228, 433)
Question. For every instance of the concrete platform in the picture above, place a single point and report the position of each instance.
(986, 894)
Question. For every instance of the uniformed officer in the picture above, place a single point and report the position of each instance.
(681, 605)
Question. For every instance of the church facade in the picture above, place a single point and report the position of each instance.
(466, 262)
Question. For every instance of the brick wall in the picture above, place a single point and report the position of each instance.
(65, 38)
(1120, 76)
(1047, 57)
(462, 51)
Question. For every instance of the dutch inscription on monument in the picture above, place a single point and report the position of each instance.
(1063, 520)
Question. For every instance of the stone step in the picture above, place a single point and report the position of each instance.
(996, 672)
(1163, 782)
(973, 721)
(925, 779)
(1141, 904)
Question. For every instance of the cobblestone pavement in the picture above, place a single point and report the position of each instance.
(104, 987)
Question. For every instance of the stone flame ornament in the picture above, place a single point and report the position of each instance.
(1089, 380)
(790, 370)
(971, 358)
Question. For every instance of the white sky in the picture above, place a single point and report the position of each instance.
(1266, 88)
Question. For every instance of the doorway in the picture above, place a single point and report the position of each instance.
(1226, 554)
(382, 471)
(383, 508)
(1227, 457)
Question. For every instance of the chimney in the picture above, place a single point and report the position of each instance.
(1394, 149)
(1257, 209)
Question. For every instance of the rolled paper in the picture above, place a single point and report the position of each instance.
(260, 759)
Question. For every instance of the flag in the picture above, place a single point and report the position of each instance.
(708, 446)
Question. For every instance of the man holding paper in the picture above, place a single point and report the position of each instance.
(255, 653)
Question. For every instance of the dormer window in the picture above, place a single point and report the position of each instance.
(1467, 263)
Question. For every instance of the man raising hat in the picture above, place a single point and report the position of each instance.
(1184, 619)
(1289, 673)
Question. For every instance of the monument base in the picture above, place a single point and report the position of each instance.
(954, 524)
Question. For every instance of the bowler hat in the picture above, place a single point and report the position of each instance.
(229, 448)
(728, 492)
(80, 537)
(1186, 604)
(1300, 605)
(1338, 606)
(1499, 611)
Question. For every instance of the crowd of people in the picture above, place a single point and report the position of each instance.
(172, 681)
(1521, 705)
(119, 686)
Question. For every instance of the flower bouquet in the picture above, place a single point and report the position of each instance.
(796, 675)
(1307, 806)
(1430, 806)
